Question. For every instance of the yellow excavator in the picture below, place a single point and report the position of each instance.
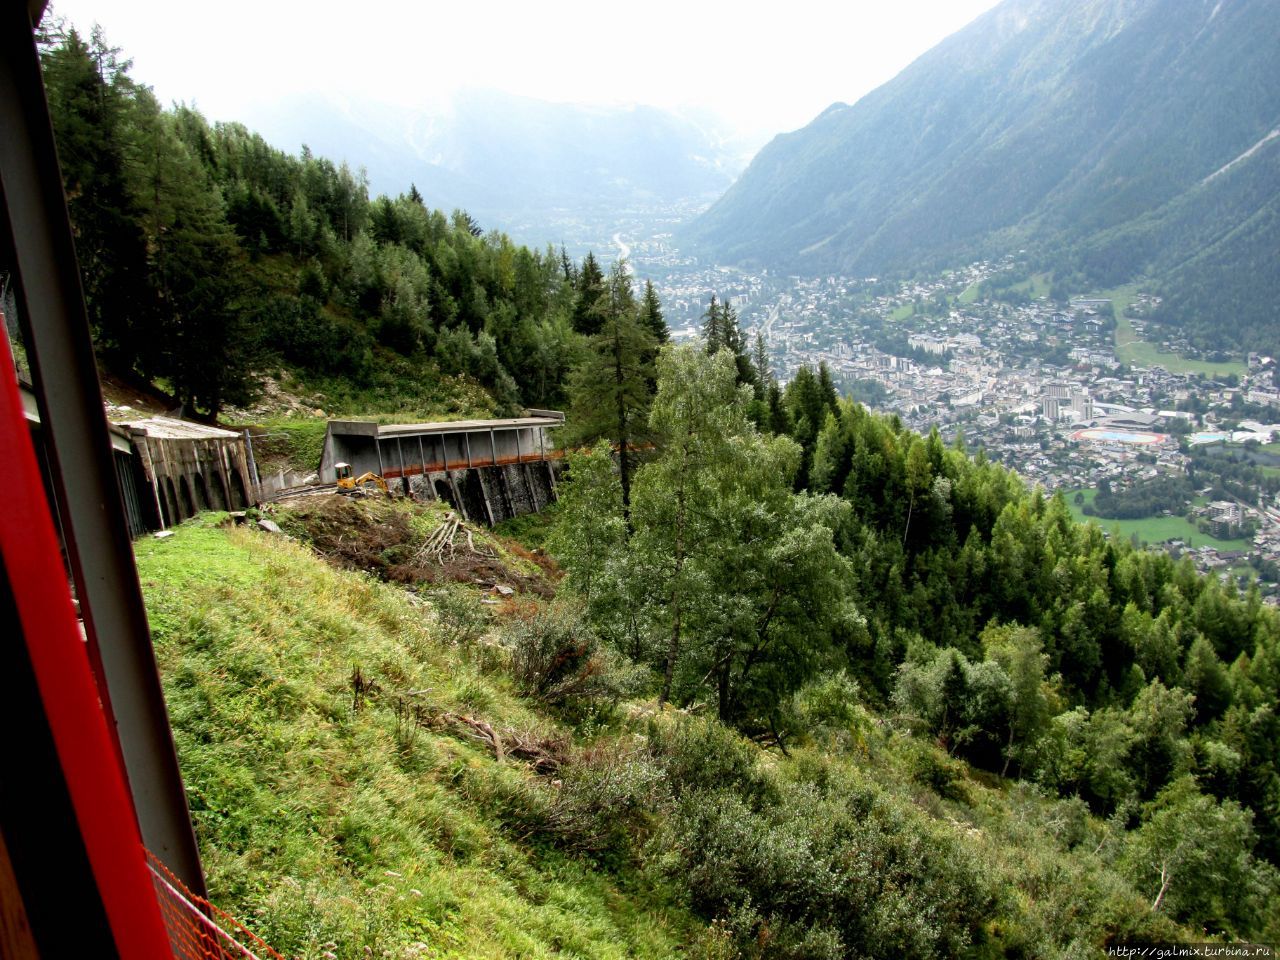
(355, 486)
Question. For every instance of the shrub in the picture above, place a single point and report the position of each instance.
(820, 875)
(460, 617)
(702, 755)
(604, 798)
(830, 709)
(557, 659)
(944, 776)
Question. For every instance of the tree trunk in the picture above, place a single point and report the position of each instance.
(673, 645)
(722, 692)
(624, 466)
(1008, 753)
(1166, 878)
(673, 651)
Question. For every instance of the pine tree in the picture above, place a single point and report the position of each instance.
(721, 331)
(778, 422)
(89, 95)
(760, 360)
(202, 341)
(589, 309)
(466, 222)
(736, 343)
(567, 267)
(651, 314)
(830, 395)
(611, 389)
(808, 402)
(713, 327)
(731, 332)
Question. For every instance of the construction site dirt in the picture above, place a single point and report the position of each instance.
(409, 544)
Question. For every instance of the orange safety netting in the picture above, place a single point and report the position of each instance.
(197, 929)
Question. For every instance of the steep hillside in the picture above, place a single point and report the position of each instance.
(1077, 130)
(340, 801)
(374, 772)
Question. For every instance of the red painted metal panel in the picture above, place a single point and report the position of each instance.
(86, 750)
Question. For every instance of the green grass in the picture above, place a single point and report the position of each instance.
(290, 443)
(1136, 352)
(321, 825)
(530, 529)
(969, 294)
(404, 389)
(1035, 286)
(1152, 530)
(902, 313)
(1121, 297)
(1139, 353)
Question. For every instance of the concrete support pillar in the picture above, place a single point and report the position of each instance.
(484, 493)
(457, 496)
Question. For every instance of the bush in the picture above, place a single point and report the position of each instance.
(460, 617)
(944, 776)
(604, 798)
(557, 659)
(702, 755)
(830, 709)
(821, 873)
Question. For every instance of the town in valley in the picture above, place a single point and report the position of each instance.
(1067, 388)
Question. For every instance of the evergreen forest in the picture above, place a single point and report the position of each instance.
(211, 258)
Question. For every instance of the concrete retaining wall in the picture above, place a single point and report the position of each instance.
(487, 494)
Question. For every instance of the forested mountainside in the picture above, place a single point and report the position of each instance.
(211, 257)
(1111, 138)
(746, 563)
(823, 694)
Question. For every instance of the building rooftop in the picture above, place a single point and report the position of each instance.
(367, 428)
(167, 428)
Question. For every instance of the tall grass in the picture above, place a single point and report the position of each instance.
(324, 823)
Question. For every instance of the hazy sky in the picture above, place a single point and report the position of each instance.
(763, 67)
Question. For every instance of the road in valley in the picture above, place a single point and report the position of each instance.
(624, 254)
(768, 323)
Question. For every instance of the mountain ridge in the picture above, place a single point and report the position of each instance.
(1040, 125)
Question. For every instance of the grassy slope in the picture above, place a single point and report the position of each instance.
(320, 825)
(1133, 350)
(327, 828)
(1152, 529)
(1036, 286)
(1140, 353)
